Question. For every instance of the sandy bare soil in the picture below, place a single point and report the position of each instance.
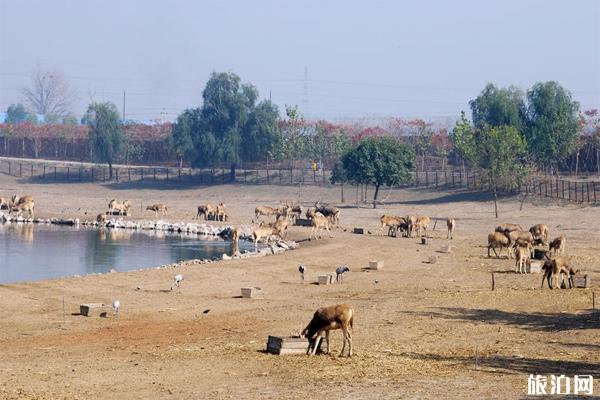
(422, 331)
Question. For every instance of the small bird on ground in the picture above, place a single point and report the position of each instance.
(177, 281)
(302, 270)
(116, 304)
(339, 273)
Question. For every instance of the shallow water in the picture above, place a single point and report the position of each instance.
(30, 252)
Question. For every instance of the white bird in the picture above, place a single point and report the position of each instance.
(302, 270)
(339, 271)
(116, 304)
(177, 281)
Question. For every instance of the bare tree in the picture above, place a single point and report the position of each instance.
(49, 93)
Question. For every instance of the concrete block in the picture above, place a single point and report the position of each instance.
(91, 309)
(252, 292)
(376, 264)
(325, 279)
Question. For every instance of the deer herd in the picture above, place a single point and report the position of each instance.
(531, 244)
(523, 245)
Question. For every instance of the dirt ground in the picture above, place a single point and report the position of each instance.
(421, 330)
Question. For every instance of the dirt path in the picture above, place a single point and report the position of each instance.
(422, 330)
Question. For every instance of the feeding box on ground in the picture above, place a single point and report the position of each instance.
(425, 240)
(303, 222)
(582, 281)
(534, 267)
(325, 279)
(252, 292)
(376, 264)
(287, 345)
(359, 231)
(91, 309)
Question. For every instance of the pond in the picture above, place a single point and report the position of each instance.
(30, 252)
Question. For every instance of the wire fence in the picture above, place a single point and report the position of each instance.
(198, 176)
(582, 191)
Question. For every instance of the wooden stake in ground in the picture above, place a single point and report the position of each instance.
(493, 282)
(64, 312)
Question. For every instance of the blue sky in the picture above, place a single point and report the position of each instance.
(362, 59)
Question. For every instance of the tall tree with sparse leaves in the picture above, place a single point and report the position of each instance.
(105, 132)
(501, 158)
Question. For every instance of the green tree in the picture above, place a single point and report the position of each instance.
(105, 132)
(463, 139)
(16, 113)
(339, 175)
(260, 133)
(227, 105)
(552, 123)
(180, 140)
(498, 107)
(379, 161)
(423, 143)
(501, 158)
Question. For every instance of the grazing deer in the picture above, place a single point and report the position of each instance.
(325, 319)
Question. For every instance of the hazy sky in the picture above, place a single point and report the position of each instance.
(362, 58)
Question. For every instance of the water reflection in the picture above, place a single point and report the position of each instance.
(33, 252)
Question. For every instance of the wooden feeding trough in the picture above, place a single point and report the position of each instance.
(447, 249)
(359, 231)
(534, 267)
(582, 281)
(91, 309)
(283, 345)
(303, 222)
(376, 264)
(325, 279)
(252, 292)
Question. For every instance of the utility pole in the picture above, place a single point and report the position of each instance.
(123, 105)
(305, 93)
(163, 116)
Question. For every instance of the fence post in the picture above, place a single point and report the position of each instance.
(154, 173)
(257, 177)
(551, 189)
(436, 179)
(426, 178)
(587, 186)
(267, 176)
(68, 174)
(117, 174)
(191, 180)
(20, 169)
(575, 191)
(32, 170)
(594, 185)
(280, 176)
(167, 173)
(92, 174)
(9, 168)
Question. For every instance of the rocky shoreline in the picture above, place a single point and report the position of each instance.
(274, 247)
